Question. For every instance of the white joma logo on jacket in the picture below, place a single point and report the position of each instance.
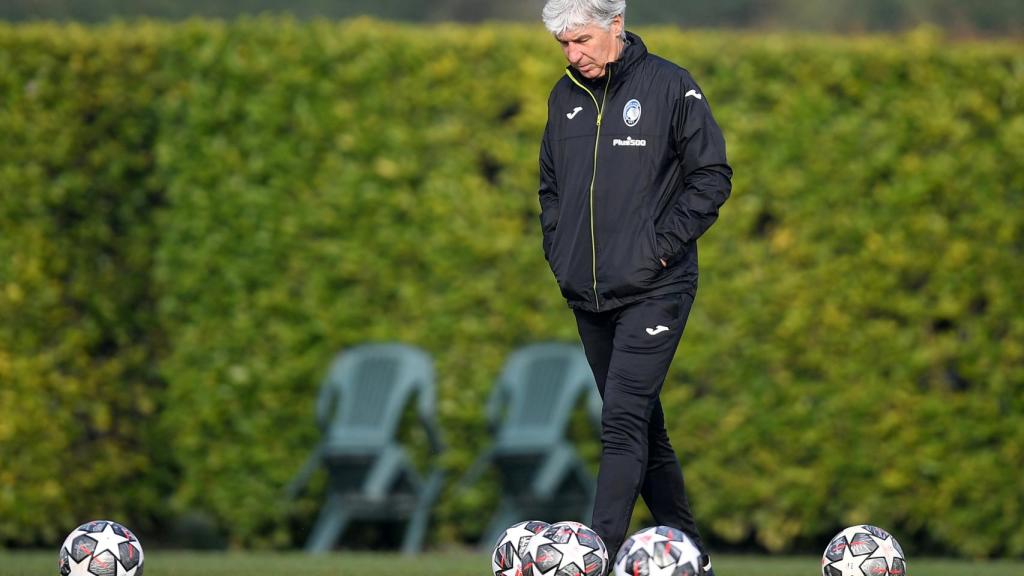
(629, 141)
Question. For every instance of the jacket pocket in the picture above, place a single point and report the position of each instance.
(557, 256)
(633, 264)
(653, 260)
(655, 252)
(570, 265)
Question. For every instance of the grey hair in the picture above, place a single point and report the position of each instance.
(561, 16)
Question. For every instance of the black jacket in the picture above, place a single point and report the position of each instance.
(632, 171)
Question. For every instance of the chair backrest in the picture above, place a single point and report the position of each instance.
(366, 391)
(537, 392)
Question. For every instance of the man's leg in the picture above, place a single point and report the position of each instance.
(597, 332)
(664, 489)
(646, 336)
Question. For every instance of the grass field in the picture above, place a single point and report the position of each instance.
(364, 564)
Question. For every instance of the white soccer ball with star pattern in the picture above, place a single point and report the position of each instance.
(565, 549)
(658, 551)
(507, 558)
(863, 550)
(101, 548)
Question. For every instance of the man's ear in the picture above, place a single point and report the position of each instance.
(616, 27)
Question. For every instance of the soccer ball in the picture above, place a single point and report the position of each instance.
(658, 551)
(507, 559)
(565, 549)
(101, 548)
(863, 550)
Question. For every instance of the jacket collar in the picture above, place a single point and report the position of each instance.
(633, 52)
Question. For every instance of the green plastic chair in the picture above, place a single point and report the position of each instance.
(370, 475)
(542, 475)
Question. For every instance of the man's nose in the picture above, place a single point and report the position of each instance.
(573, 54)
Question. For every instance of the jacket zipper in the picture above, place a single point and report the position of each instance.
(593, 177)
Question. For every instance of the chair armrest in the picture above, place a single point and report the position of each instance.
(476, 470)
(427, 412)
(301, 480)
(496, 403)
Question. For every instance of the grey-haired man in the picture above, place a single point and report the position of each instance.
(633, 171)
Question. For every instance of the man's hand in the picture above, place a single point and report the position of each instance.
(663, 263)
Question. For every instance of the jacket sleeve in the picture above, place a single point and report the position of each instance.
(707, 177)
(548, 193)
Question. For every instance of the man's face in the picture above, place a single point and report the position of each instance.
(590, 48)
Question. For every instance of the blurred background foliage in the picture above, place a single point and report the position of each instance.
(195, 217)
(961, 17)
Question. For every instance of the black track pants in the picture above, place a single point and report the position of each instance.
(629, 350)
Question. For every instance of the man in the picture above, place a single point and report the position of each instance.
(632, 172)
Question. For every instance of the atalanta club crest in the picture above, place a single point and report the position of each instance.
(631, 113)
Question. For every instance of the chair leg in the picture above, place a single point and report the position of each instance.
(412, 543)
(590, 489)
(506, 516)
(329, 526)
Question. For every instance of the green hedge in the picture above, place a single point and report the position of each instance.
(79, 385)
(197, 217)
